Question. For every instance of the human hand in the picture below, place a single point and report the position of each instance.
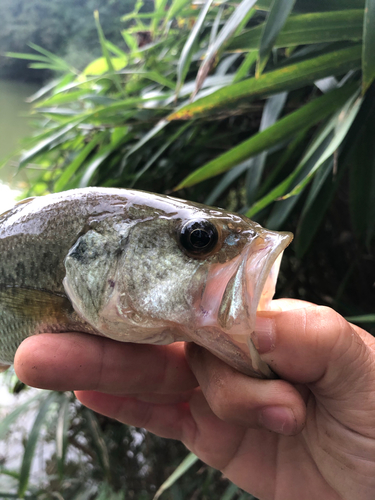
(310, 435)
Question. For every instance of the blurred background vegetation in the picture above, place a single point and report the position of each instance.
(263, 107)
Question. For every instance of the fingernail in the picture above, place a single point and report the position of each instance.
(264, 334)
(278, 419)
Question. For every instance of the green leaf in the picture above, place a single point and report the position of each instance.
(279, 191)
(6, 422)
(284, 129)
(230, 492)
(271, 113)
(57, 99)
(368, 56)
(190, 45)
(365, 318)
(56, 60)
(48, 142)
(98, 160)
(280, 80)
(241, 13)
(72, 168)
(62, 434)
(345, 120)
(307, 29)
(100, 65)
(98, 442)
(275, 21)
(246, 65)
(159, 152)
(185, 465)
(159, 13)
(105, 51)
(174, 9)
(282, 208)
(32, 440)
(28, 57)
(317, 5)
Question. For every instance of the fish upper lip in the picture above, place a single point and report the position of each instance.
(273, 247)
(244, 289)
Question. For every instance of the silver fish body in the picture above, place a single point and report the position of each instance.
(136, 267)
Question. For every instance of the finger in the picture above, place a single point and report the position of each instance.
(74, 361)
(242, 400)
(314, 345)
(193, 423)
(165, 420)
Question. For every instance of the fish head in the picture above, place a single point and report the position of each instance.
(175, 270)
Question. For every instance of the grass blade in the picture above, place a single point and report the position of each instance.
(271, 113)
(190, 45)
(276, 19)
(62, 434)
(32, 440)
(105, 51)
(345, 121)
(305, 29)
(280, 80)
(241, 13)
(317, 5)
(71, 169)
(98, 442)
(188, 462)
(7, 421)
(366, 318)
(284, 129)
(368, 57)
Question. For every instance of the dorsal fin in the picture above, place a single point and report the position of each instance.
(17, 204)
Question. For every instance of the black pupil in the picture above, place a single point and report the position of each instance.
(199, 238)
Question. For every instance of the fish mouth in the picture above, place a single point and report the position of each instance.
(252, 286)
(233, 292)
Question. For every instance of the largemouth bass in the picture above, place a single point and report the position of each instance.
(136, 267)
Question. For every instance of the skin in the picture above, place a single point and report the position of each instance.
(308, 436)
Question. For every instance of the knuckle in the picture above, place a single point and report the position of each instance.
(220, 391)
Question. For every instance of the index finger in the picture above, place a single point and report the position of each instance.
(77, 361)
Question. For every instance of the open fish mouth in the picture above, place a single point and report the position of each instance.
(252, 286)
(235, 290)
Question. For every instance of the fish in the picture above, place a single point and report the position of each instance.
(136, 267)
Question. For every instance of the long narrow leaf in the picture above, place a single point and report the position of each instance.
(306, 29)
(62, 434)
(368, 58)
(7, 421)
(283, 79)
(317, 5)
(71, 169)
(106, 55)
(32, 440)
(340, 134)
(190, 45)
(271, 113)
(185, 465)
(284, 129)
(282, 188)
(240, 13)
(276, 19)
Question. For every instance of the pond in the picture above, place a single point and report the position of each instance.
(14, 125)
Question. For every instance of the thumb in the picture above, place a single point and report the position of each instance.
(314, 345)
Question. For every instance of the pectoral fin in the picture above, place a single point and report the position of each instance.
(25, 312)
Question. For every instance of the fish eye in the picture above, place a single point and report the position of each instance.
(199, 237)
